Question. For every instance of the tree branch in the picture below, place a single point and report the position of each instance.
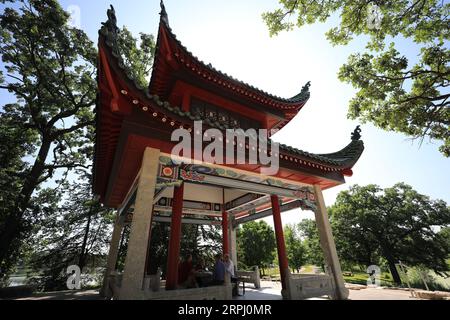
(81, 125)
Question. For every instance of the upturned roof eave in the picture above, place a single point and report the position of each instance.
(338, 161)
(294, 103)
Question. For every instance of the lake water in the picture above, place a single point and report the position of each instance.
(17, 281)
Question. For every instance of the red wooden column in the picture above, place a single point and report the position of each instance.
(226, 242)
(282, 257)
(175, 237)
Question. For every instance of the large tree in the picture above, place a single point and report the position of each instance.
(72, 229)
(50, 68)
(393, 94)
(201, 241)
(399, 223)
(138, 56)
(256, 244)
(445, 234)
(310, 235)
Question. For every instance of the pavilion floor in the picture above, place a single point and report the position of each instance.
(269, 291)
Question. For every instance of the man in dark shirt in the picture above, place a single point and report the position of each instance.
(219, 272)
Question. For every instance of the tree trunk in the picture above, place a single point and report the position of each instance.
(83, 254)
(122, 240)
(11, 231)
(394, 272)
(392, 268)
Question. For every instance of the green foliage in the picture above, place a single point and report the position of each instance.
(361, 278)
(256, 244)
(397, 223)
(444, 234)
(138, 57)
(309, 232)
(415, 277)
(123, 247)
(72, 230)
(243, 267)
(295, 248)
(200, 241)
(392, 94)
(50, 68)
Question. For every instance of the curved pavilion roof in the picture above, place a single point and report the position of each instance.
(118, 88)
(207, 71)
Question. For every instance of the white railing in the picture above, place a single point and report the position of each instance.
(152, 290)
(250, 277)
(153, 282)
(114, 284)
(305, 286)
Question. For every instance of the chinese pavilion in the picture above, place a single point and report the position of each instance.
(135, 173)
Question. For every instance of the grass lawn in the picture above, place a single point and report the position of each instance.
(272, 272)
(308, 269)
(275, 272)
(361, 278)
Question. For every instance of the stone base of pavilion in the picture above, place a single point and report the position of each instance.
(298, 287)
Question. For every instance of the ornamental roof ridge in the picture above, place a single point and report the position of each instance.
(163, 13)
(343, 159)
(302, 97)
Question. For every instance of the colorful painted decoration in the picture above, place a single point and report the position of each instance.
(191, 176)
(301, 194)
(191, 205)
(168, 172)
(196, 173)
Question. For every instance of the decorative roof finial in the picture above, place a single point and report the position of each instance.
(163, 14)
(307, 86)
(356, 135)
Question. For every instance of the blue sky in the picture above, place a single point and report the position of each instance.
(232, 36)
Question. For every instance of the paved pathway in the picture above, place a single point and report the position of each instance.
(380, 294)
(272, 291)
(269, 291)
